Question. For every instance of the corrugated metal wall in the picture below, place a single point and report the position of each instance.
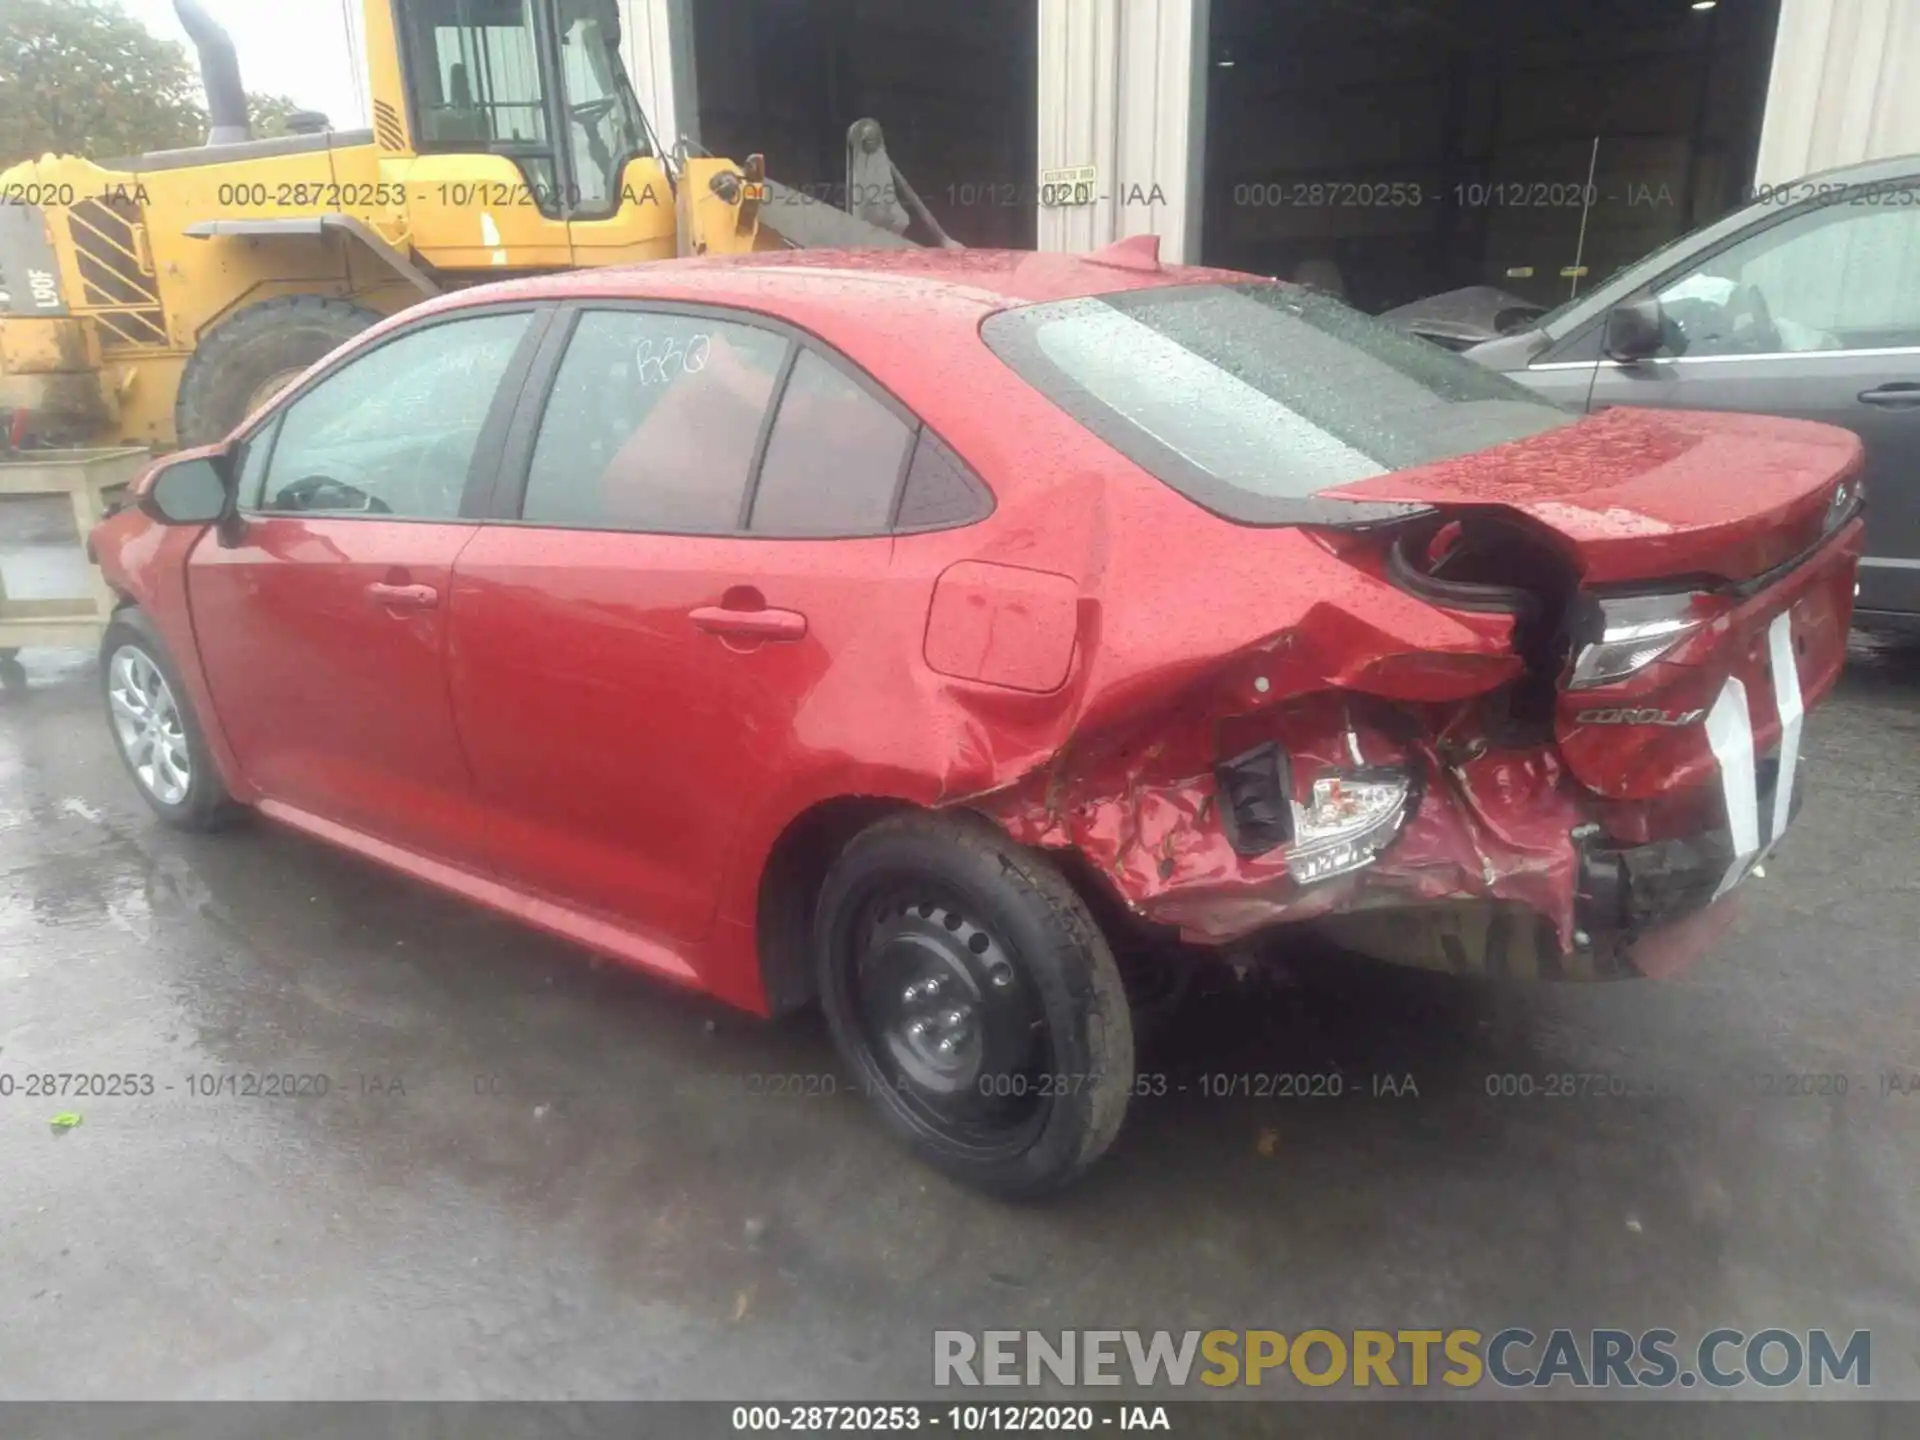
(1845, 86)
(1121, 89)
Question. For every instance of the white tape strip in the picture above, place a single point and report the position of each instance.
(1730, 733)
(1786, 690)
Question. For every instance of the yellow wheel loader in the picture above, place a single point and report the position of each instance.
(155, 301)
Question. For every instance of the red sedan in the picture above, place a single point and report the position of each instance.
(915, 632)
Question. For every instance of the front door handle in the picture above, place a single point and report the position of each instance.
(403, 597)
(1901, 395)
(765, 624)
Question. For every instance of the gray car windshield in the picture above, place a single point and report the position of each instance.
(1253, 399)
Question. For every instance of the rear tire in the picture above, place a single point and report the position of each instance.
(155, 730)
(1012, 1073)
(247, 356)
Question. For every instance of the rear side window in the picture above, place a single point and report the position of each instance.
(834, 461)
(941, 490)
(653, 423)
(1251, 399)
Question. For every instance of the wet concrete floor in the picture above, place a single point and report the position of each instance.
(533, 1176)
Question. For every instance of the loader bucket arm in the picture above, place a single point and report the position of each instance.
(882, 204)
(803, 223)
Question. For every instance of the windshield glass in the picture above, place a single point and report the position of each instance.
(1251, 399)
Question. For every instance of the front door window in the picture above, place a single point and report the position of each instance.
(392, 432)
(1842, 277)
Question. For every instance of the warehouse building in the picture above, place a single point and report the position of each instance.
(1387, 148)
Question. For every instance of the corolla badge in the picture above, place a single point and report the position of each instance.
(1641, 717)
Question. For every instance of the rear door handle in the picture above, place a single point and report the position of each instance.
(1897, 396)
(403, 597)
(751, 624)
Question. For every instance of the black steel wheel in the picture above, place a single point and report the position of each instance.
(976, 1001)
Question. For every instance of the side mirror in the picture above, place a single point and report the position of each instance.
(1636, 330)
(194, 492)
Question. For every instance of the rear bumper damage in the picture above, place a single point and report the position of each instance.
(1493, 855)
(1498, 866)
(1495, 865)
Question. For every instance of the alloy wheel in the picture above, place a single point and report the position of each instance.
(148, 725)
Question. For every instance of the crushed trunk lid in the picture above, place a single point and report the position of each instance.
(1640, 495)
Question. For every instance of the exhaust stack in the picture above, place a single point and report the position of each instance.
(219, 74)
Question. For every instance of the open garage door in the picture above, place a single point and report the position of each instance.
(952, 83)
(1391, 149)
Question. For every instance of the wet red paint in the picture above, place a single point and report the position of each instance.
(1652, 494)
(561, 740)
(1648, 762)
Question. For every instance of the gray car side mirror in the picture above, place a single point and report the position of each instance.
(1636, 330)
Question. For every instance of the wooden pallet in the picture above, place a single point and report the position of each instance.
(88, 479)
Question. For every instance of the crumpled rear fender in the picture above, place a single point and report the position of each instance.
(1143, 809)
(1284, 639)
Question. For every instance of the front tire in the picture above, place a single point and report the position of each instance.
(969, 989)
(154, 728)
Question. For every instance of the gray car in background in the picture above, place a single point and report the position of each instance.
(1804, 303)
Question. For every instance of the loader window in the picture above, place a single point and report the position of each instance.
(604, 129)
(477, 86)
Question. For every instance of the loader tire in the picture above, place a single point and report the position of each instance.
(245, 360)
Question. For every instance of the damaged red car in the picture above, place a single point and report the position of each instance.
(913, 632)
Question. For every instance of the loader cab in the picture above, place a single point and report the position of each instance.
(522, 143)
(539, 82)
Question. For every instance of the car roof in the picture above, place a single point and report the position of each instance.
(910, 318)
(961, 284)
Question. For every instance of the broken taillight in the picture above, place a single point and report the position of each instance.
(1635, 631)
(1349, 819)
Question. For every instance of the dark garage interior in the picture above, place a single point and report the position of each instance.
(1391, 149)
(952, 83)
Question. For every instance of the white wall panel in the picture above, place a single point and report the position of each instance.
(656, 40)
(1845, 86)
(1122, 88)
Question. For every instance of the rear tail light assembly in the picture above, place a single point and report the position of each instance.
(1635, 631)
(1349, 820)
(1349, 817)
